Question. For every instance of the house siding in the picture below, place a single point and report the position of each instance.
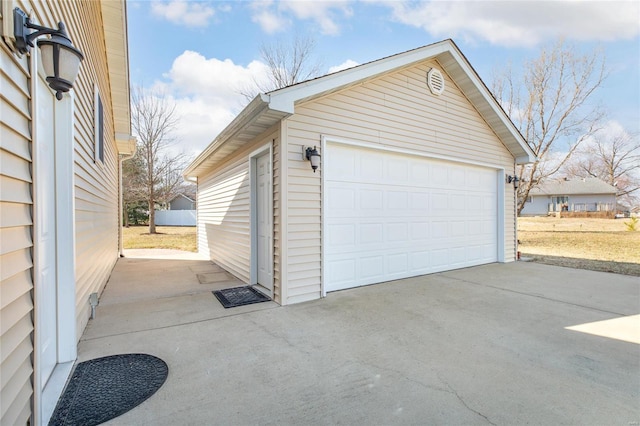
(224, 212)
(95, 182)
(223, 219)
(96, 196)
(539, 204)
(16, 261)
(277, 223)
(396, 110)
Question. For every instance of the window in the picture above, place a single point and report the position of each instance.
(98, 128)
(529, 199)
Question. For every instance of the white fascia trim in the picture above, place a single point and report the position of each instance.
(248, 114)
(284, 99)
(526, 159)
(126, 144)
(530, 156)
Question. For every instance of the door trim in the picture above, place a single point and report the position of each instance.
(46, 398)
(266, 149)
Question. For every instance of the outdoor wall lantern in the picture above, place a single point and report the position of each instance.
(61, 61)
(515, 180)
(312, 155)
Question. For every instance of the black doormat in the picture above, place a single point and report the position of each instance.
(239, 296)
(104, 388)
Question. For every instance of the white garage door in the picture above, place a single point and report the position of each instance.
(390, 216)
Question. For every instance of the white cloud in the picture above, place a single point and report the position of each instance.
(349, 63)
(522, 23)
(207, 94)
(190, 14)
(274, 17)
(610, 130)
(270, 22)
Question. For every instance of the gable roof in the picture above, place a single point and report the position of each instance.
(588, 186)
(181, 195)
(267, 109)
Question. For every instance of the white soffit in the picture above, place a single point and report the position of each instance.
(114, 22)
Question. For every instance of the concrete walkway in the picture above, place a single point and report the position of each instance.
(483, 345)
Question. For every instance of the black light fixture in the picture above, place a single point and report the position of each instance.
(60, 59)
(313, 156)
(515, 180)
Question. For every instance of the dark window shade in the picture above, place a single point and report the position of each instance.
(99, 130)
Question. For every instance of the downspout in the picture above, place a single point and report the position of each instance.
(121, 158)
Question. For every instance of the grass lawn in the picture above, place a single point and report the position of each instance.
(599, 244)
(167, 237)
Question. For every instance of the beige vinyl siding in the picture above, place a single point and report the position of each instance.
(223, 218)
(224, 212)
(277, 225)
(96, 193)
(396, 110)
(303, 220)
(95, 183)
(16, 262)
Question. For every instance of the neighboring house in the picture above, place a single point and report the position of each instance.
(181, 212)
(412, 179)
(182, 202)
(59, 197)
(577, 195)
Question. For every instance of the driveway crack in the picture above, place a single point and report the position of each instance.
(449, 389)
(462, 401)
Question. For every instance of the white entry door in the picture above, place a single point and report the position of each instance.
(390, 216)
(263, 220)
(45, 229)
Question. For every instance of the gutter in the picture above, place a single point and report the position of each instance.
(248, 114)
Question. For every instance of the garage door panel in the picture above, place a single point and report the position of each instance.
(369, 199)
(372, 267)
(395, 216)
(419, 231)
(419, 172)
(341, 273)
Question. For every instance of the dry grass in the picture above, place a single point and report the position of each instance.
(167, 237)
(599, 244)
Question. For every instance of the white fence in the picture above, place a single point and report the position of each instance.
(176, 217)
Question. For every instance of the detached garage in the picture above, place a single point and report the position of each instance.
(413, 156)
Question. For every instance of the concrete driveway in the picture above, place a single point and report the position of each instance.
(483, 345)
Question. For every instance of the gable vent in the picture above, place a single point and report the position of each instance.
(435, 81)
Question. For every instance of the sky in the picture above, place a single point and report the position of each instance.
(201, 54)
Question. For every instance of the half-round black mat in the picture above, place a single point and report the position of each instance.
(104, 388)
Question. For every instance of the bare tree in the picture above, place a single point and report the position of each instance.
(550, 106)
(154, 119)
(288, 63)
(613, 158)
